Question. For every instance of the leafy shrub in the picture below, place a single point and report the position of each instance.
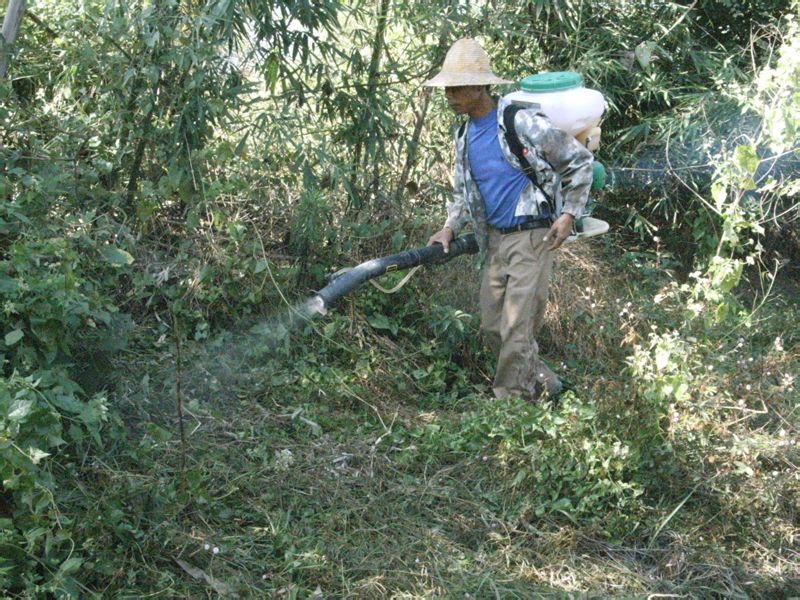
(555, 461)
(36, 413)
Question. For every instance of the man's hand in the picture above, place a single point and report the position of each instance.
(443, 237)
(559, 231)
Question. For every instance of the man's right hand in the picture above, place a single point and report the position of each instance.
(443, 237)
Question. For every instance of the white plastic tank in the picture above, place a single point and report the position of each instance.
(567, 103)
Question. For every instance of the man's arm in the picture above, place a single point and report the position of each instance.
(456, 209)
(569, 159)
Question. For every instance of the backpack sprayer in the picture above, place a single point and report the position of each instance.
(576, 110)
(570, 107)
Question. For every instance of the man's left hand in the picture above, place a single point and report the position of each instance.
(559, 231)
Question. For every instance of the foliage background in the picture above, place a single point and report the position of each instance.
(176, 175)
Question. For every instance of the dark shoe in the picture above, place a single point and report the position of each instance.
(556, 390)
(542, 394)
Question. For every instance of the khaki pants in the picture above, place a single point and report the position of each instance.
(513, 298)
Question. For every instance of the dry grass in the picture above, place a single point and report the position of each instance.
(359, 523)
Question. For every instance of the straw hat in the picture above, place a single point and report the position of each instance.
(466, 63)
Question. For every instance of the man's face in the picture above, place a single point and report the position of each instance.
(463, 98)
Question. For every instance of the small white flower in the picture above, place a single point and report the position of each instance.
(215, 550)
(206, 547)
(284, 459)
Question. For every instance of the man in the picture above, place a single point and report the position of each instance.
(511, 215)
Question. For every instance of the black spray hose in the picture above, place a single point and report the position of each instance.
(345, 281)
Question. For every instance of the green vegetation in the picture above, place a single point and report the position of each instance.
(176, 176)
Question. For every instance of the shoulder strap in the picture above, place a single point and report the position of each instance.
(512, 139)
(518, 150)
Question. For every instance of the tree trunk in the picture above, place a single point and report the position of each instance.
(377, 48)
(411, 156)
(11, 24)
(372, 84)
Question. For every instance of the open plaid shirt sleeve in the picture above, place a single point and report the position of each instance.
(571, 161)
(457, 213)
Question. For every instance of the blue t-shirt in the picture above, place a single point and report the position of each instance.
(500, 183)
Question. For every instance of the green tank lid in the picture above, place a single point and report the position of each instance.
(551, 82)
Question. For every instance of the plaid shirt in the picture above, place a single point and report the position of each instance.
(563, 168)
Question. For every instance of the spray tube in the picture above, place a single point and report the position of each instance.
(345, 281)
